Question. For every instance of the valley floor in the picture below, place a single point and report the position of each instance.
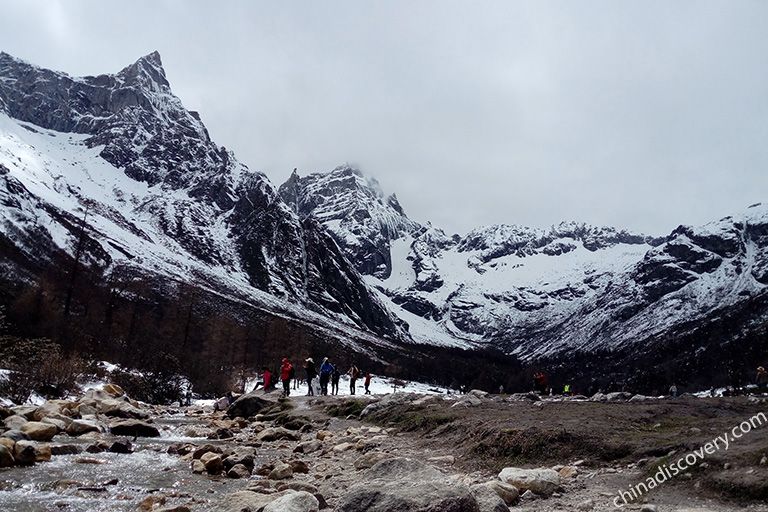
(329, 446)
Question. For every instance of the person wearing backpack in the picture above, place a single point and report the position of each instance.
(353, 373)
(326, 370)
(309, 368)
(286, 370)
(367, 383)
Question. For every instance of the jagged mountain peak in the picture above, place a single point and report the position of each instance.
(353, 207)
(162, 196)
(147, 71)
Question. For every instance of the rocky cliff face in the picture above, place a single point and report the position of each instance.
(355, 211)
(123, 154)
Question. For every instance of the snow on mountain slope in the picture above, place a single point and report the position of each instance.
(537, 292)
(160, 196)
(473, 295)
(354, 209)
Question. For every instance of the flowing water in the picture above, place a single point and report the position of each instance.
(118, 482)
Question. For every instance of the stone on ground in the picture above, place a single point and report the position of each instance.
(539, 481)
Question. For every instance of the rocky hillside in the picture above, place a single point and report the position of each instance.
(545, 292)
(114, 170)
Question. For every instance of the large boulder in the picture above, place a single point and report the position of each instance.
(405, 485)
(38, 431)
(15, 422)
(212, 462)
(25, 453)
(539, 481)
(248, 405)
(80, 427)
(116, 408)
(133, 428)
(248, 501)
(299, 501)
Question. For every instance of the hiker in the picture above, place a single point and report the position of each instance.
(286, 371)
(353, 373)
(762, 379)
(266, 378)
(540, 382)
(326, 370)
(673, 390)
(335, 376)
(309, 368)
(367, 383)
(567, 390)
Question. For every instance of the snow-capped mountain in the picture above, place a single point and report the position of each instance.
(541, 292)
(121, 153)
(113, 170)
(354, 209)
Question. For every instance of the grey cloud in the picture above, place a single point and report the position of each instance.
(637, 114)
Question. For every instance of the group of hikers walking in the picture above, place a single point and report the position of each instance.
(328, 374)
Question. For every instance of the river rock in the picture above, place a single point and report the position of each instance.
(133, 428)
(197, 466)
(6, 457)
(238, 471)
(15, 435)
(202, 450)
(121, 446)
(539, 481)
(507, 492)
(38, 431)
(281, 472)
(27, 411)
(308, 447)
(298, 501)
(487, 499)
(116, 408)
(247, 501)
(248, 405)
(241, 456)
(277, 434)
(80, 427)
(24, 452)
(15, 422)
(42, 452)
(212, 462)
(405, 485)
(65, 449)
(60, 425)
(299, 466)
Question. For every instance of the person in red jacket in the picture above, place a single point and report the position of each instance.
(286, 370)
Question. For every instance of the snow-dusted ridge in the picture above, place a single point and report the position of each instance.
(331, 248)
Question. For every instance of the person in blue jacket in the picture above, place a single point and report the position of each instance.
(326, 369)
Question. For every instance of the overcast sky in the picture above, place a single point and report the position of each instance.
(638, 114)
